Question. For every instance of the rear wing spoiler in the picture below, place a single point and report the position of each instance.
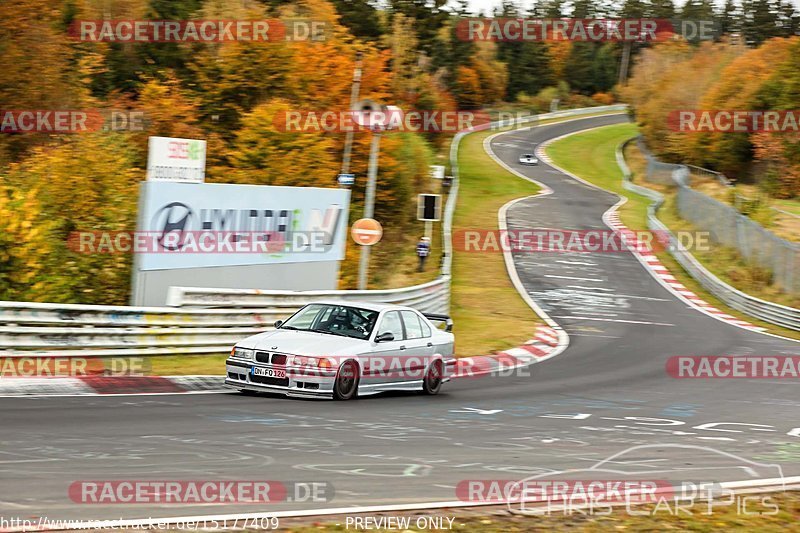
(434, 317)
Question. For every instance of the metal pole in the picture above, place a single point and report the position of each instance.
(348, 141)
(369, 205)
(624, 62)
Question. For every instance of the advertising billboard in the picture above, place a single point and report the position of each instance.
(173, 159)
(184, 225)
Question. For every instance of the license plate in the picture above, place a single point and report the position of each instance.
(268, 372)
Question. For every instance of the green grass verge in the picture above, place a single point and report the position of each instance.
(177, 365)
(792, 206)
(487, 310)
(592, 156)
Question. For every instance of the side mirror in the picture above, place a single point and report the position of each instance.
(449, 326)
(278, 323)
(385, 337)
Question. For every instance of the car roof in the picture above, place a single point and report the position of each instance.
(372, 306)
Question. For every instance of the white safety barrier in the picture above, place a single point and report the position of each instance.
(209, 321)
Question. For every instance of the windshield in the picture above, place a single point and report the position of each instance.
(333, 319)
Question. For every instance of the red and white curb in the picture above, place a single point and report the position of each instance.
(662, 273)
(544, 345)
(537, 349)
(108, 385)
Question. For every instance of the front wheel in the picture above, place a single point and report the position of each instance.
(346, 385)
(432, 383)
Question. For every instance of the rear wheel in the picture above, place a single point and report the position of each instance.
(432, 383)
(346, 385)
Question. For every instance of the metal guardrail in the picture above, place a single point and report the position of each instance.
(431, 297)
(773, 313)
(210, 321)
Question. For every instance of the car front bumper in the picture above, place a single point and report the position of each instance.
(298, 382)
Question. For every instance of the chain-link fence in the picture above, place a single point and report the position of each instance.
(658, 171)
(726, 225)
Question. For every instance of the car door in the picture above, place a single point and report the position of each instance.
(419, 347)
(383, 365)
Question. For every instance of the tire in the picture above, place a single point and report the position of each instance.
(432, 383)
(345, 387)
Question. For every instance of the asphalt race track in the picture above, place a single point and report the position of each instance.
(606, 394)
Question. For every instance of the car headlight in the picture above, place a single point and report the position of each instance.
(242, 353)
(314, 362)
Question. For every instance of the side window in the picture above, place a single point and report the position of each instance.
(413, 326)
(426, 329)
(391, 323)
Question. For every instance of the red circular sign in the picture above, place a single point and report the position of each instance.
(366, 231)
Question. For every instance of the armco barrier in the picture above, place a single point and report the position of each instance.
(208, 321)
(773, 313)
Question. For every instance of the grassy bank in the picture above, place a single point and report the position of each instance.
(488, 312)
(592, 156)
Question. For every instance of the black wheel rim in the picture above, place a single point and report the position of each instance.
(347, 379)
(435, 377)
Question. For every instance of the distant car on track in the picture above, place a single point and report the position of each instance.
(343, 350)
(528, 159)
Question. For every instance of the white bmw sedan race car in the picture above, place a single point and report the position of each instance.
(528, 159)
(343, 350)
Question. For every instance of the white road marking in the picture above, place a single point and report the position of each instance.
(589, 288)
(615, 320)
(573, 334)
(15, 505)
(649, 298)
(570, 277)
(576, 263)
(477, 411)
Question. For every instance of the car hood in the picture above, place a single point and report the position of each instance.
(304, 343)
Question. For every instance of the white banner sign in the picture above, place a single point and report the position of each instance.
(172, 159)
(214, 224)
(437, 172)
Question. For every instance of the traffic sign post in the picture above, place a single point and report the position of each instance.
(429, 210)
(369, 205)
(346, 179)
(378, 118)
(366, 231)
(429, 207)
